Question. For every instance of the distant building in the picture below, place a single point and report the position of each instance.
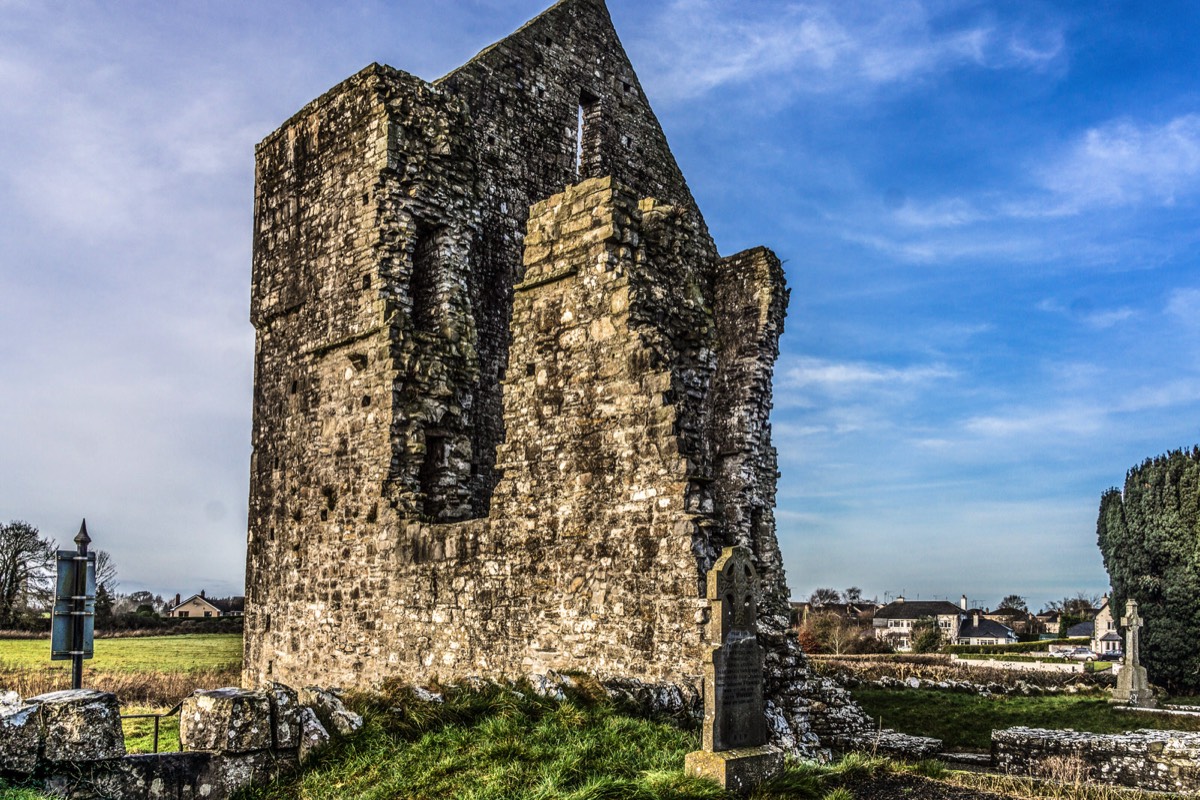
(959, 625)
(1106, 638)
(979, 629)
(862, 611)
(200, 606)
(894, 622)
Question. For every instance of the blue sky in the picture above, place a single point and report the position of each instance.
(988, 211)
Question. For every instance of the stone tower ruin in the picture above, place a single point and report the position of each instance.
(510, 403)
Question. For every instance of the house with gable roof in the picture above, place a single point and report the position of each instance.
(199, 605)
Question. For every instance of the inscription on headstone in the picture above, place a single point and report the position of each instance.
(1133, 685)
(736, 753)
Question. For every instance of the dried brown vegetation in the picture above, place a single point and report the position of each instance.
(155, 689)
(853, 669)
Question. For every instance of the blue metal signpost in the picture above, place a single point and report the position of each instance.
(74, 606)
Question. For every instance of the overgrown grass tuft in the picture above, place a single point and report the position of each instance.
(498, 742)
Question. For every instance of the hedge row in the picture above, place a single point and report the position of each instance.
(1020, 647)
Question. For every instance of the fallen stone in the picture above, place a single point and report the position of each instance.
(330, 710)
(81, 725)
(313, 735)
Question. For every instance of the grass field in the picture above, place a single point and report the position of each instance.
(966, 721)
(206, 651)
(147, 674)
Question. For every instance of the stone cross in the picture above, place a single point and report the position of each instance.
(1133, 685)
(1132, 622)
(735, 751)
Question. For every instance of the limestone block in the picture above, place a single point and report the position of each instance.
(313, 735)
(20, 735)
(738, 770)
(81, 725)
(227, 720)
(330, 710)
(285, 715)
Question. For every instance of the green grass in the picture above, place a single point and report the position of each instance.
(7, 793)
(135, 654)
(139, 733)
(480, 745)
(965, 721)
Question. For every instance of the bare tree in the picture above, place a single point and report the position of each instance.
(26, 571)
(1015, 602)
(853, 594)
(824, 596)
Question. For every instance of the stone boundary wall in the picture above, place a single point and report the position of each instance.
(71, 744)
(1161, 761)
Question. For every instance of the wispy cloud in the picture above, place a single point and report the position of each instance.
(838, 377)
(825, 47)
(1030, 423)
(1127, 162)
(1185, 305)
(1085, 314)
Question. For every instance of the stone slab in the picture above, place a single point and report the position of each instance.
(20, 737)
(81, 725)
(285, 715)
(737, 770)
(228, 720)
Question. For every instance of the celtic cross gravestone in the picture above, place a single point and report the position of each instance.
(1133, 685)
(735, 751)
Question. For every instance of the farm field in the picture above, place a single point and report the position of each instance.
(966, 721)
(187, 653)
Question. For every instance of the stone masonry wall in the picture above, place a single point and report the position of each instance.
(497, 441)
(1160, 761)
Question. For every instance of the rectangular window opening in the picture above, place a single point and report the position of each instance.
(423, 286)
(586, 146)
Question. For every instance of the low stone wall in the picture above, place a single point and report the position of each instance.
(1162, 761)
(71, 744)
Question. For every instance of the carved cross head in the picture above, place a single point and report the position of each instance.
(1131, 618)
(733, 588)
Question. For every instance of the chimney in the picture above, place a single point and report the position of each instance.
(975, 619)
(962, 603)
(900, 599)
(177, 600)
(202, 593)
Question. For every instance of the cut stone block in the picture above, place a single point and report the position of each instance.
(229, 720)
(20, 736)
(81, 725)
(285, 715)
(738, 770)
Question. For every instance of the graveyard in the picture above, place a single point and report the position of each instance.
(511, 525)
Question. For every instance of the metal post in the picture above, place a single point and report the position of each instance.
(79, 605)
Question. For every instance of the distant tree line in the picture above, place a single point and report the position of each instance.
(1149, 535)
(27, 570)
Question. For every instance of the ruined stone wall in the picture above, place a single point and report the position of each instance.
(490, 440)
(528, 96)
(1152, 760)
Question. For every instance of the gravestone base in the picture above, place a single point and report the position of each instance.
(1133, 688)
(738, 770)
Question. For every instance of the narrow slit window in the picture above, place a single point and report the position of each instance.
(579, 143)
(426, 271)
(587, 150)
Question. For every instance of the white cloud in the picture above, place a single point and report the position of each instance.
(836, 377)
(826, 47)
(1185, 304)
(1126, 162)
(1033, 423)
